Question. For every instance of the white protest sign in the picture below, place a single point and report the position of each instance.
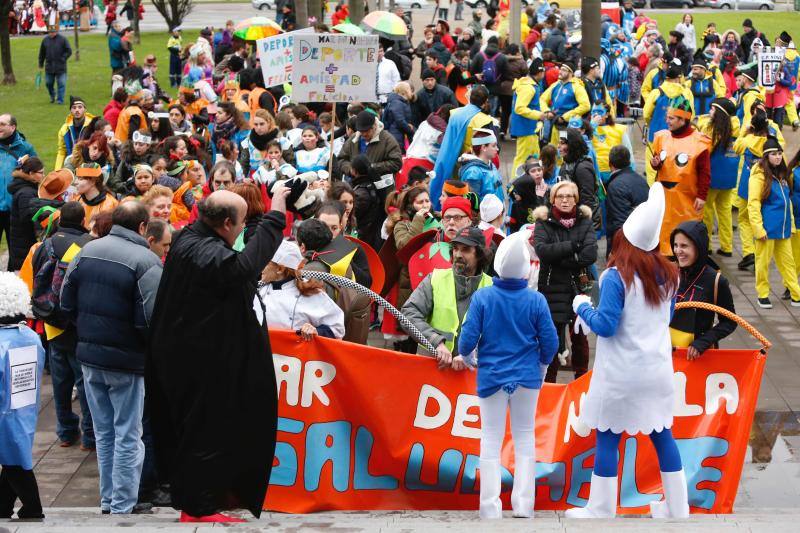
(23, 363)
(769, 65)
(335, 68)
(275, 56)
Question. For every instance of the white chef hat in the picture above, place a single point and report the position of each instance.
(288, 255)
(491, 208)
(512, 260)
(643, 226)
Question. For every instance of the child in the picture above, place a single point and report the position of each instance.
(21, 350)
(477, 169)
(770, 209)
(141, 182)
(632, 389)
(510, 373)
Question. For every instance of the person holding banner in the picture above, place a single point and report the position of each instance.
(632, 389)
(510, 372)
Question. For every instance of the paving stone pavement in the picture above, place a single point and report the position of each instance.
(60, 520)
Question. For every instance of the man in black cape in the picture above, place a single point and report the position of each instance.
(210, 381)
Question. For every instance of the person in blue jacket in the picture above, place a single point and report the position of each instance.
(397, 116)
(21, 350)
(511, 368)
(478, 170)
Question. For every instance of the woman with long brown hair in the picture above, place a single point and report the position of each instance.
(632, 388)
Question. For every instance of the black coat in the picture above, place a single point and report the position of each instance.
(697, 285)
(428, 102)
(22, 234)
(210, 379)
(398, 118)
(53, 54)
(582, 174)
(625, 190)
(556, 42)
(563, 254)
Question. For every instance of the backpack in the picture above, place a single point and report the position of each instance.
(489, 69)
(46, 294)
(406, 66)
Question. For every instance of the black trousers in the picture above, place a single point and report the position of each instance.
(16, 482)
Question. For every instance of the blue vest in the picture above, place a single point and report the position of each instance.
(562, 99)
(703, 92)
(796, 196)
(658, 79)
(724, 167)
(776, 211)
(750, 159)
(658, 122)
(523, 126)
(740, 103)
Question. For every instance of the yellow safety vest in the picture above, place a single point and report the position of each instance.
(444, 317)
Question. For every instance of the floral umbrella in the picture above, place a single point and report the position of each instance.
(256, 28)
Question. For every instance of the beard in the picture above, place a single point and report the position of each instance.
(460, 267)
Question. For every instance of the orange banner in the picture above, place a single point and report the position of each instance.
(365, 428)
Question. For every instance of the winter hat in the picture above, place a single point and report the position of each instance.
(15, 298)
(643, 226)
(288, 255)
(588, 63)
(427, 73)
(747, 23)
(536, 67)
(457, 202)
(750, 73)
(724, 105)
(678, 35)
(569, 65)
(699, 61)
(491, 208)
(455, 188)
(512, 259)
(76, 100)
(785, 38)
(674, 70)
(771, 145)
(680, 107)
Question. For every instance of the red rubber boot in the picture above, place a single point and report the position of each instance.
(217, 517)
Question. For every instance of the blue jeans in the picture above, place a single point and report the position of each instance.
(117, 402)
(61, 80)
(65, 371)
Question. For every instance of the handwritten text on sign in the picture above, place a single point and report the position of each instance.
(334, 68)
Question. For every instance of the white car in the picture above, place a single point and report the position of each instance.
(414, 4)
(764, 5)
(262, 5)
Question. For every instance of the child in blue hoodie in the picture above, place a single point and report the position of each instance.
(21, 364)
(511, 367)
(478, 170)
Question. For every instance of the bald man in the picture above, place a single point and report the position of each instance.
(210, 380)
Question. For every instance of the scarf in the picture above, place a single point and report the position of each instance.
(225, 130)
(565, 219)
(260, 141)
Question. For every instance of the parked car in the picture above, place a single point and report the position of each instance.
(483, 4)
(414, 4)
(669, 4)
(262, 5)
(743, 4)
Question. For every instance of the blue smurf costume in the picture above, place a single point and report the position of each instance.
(632, 388)
(21, 364)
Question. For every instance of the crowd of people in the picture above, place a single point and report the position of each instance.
(36, 16)
(157, 205)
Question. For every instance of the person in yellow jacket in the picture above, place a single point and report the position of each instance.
(70, 132)
(525, 113)
(770, 208)
(722, 127)
(655, 110)
(606, 135)
(704, 86)
(656, 76)
(792, 59)
(748, 94)
(563, 100)
(749, 146)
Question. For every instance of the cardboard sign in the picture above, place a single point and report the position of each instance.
(769, 65)
(335, 68)
(23, 376)
(365, 428)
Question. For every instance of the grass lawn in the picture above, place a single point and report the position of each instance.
(89, 78)
(771, 23)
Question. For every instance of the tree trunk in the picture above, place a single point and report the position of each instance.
(315, 12)
(5, 44)
(137, 37)
(76, 18)
(514, 17)
(356, 11)
(590, 28)
(301, 13)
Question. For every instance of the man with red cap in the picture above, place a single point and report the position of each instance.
(438, 305)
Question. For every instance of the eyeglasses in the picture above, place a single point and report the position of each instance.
(453, 218)
(565, 196)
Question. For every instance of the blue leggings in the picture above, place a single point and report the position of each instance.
(605, 459)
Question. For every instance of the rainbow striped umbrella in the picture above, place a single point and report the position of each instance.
(385, 24)
(256, 28)
(348, 29)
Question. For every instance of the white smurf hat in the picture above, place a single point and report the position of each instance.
(15, 299)
(643, 226)
(288, 255)
(512, 260)
(491, 207)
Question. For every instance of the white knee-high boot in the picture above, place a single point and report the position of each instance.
(602, 500)
(491, 476)
(524, 491)
(676, 497)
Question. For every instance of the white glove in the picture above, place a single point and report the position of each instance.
(580, 300)
(581, 327)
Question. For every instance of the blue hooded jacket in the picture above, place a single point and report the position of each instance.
(9, 153)
(482, 178)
